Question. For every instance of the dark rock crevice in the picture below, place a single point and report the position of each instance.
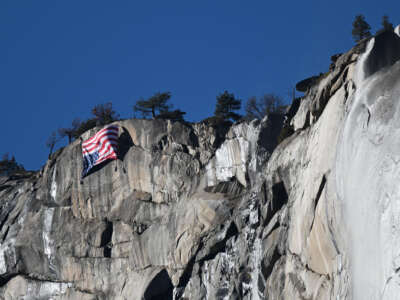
(385, 52)
(106, 239)
(279, 199)
(267, 267)
(4, 220)
(187, 273)
(232, 187)
(287, 129)
(306, 267)
(4, 187)
(160, 287)
(221, 245)
(317, 197)
(320, 189)
(4, 279)
(125, 143)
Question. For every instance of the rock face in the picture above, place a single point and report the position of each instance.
(367, 176)
(191, 211)
(397, 30)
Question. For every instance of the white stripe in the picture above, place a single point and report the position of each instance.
(106, 149)
(107, 137)
(107, 131)
(111, 150)
(113, 145)
(97, 139)
(107, 153)
(98, 146)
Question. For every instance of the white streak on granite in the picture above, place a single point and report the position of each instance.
(47, 222)
(53, 188)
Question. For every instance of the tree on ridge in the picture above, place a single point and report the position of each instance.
(267, 104)
(51, 142)
(104, 113)
(226, 105)
(157, 107)
(153, 105)
(70, 131)
(361, 28)
(386, 25)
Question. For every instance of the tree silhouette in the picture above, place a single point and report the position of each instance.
(226, 104)
(267, 104)
(361, 28)
(70, 132)
(104, 113)
(5, 157)
(51, 141)
(85, 126)
(9, 166)
(386, 25)
(154, 105)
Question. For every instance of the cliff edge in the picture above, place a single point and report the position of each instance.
(192, 211)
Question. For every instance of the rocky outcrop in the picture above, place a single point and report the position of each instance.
(397, 30)
(133, 228)
(193, 211)
(385, 52)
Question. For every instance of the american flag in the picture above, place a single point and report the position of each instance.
(100, 147)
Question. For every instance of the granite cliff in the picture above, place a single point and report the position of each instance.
(194, 211)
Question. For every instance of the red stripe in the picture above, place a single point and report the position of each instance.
(100, 135)
(110, 156)
(100, 145)
(94, 137)
(105, 140)
(110, 148)
(100, 138)
(109, 128)
(101, 142)
(101, 150)
(106, 148)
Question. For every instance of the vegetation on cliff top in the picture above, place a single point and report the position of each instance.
(158, 106)
(9, 165)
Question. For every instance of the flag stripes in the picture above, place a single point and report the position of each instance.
(99, 148)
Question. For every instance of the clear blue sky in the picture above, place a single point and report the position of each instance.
(60, 58)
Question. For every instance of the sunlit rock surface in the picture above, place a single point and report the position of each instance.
(397, 30)
(192, 211)
(368, 174)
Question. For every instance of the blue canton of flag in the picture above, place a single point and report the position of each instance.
(89, 162)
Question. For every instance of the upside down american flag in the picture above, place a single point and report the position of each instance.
(99, 148)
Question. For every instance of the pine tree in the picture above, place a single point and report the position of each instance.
(226, 104)
(51, 142)
(154, 105)
(267, 104)
(84, 126)
(386, 25)
(361, 28)
(70, 131)
(5, 157)
(9, 166)
(104, 113)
